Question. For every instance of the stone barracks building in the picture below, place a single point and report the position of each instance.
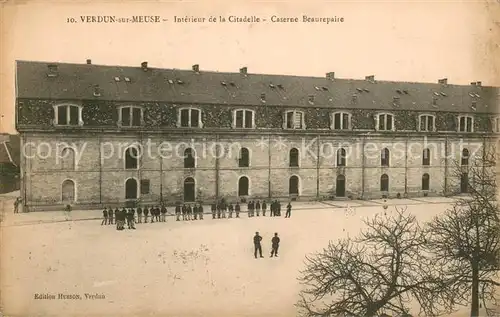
(96, 135)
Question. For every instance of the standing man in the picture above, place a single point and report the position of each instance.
(224, 209)
(231, 209)
(189, 212)
(219, 210)
(184, 211)
(146, 214)
(116, 215)
(178, 211)
(278, 203)
(200, 211)
(288, 210)
(16, 204)
(237, 209)
(256, 243)
(264, 207)
(105, 216)
(214, 209)
(139, 214)
(163, 213)
(257, 207)
(275, 244)
(195, 211)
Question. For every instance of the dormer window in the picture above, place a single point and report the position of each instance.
(340, 121)
(130, 116)
(465, 124)
(293, 120)
(68, 115)
(384, 122)
(426, 123)
(243, 119)
(189, 118)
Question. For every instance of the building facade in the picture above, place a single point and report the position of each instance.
(94, 135)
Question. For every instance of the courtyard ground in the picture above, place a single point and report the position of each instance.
(197, 268)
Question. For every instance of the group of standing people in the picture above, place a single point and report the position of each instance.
(123, 216)
(188, 213)
(275, 243)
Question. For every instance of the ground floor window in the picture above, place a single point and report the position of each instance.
(68, 191)
(131, 189)
(293, 185)
(243, 186)
(384, 183)
(340, 186)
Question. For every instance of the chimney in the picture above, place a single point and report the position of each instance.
(52, 70)
(97, 91)
(89, 61)
(243, 70)
(144, 66)
(443, 81)
(263, 97)
(370, 78)
(311, 99)
(330, 75)
(196, 68)
(478, 83)
(473, 83)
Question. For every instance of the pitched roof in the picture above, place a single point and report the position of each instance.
(78, 81)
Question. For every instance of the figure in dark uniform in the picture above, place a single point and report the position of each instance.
(178, 211)
(231, 209)
(152, 212)
(200, 211)
(163, 213)
(139, 215)
(123, 217)
(256, 243)
(237, 209)
(219, 210)
(224, 209)
(146, 214)
(195, 211)
(118, 217)
(189, 212)
(279, 208)
(257, 208)
(110, 216)
(288, 210)
(105, 216)
(249, 209)
(130, 218)
(115, 214)
(214, 209)
(264, 207)
(184, 212)
(275, 244)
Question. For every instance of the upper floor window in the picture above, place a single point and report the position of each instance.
(294, 158)
(130, 116)
(68, 159)
(465, 124)
(68, 115)
(341, 157)
(496, 125)
(294, 120)
(189, 118)
(244, 159)
(385, 157)
(340, 121)
(465, 157)
(426, 122)
(243, 118)
(426, 157)
(189, 159)
(385, 122)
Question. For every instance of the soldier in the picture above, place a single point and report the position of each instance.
(146, 214)
(200, 211)
(177, 211)
(256, 242)
(278, 203)
(264, 207)
(116, 215)
(184, 212)
(257, 207)
(139, 214)
(275, 244)
(163, 213)
(213, 208)
(219, 210)
(130, 218)
(16, 204)
(288, 210)
(195, 211)
(249, 209)
(231, 209)
(237, 209)
(126, 213)
(189, 212)
(224, 209)
(104, 217)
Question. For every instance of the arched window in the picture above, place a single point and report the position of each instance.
(189, 159)
(341, 157)
(243, 186)
(340, 186)
(68, 192)
(425, 181)
(294, 157)
(384, 183)
(385, 157)
(293, 185)
(244, 160)
(131, 189)
(426, 157)
(68, 159)
(465, 157)
(131, 158)
(189, 189)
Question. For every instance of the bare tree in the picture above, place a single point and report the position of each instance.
(465, 241)
(384, 270)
